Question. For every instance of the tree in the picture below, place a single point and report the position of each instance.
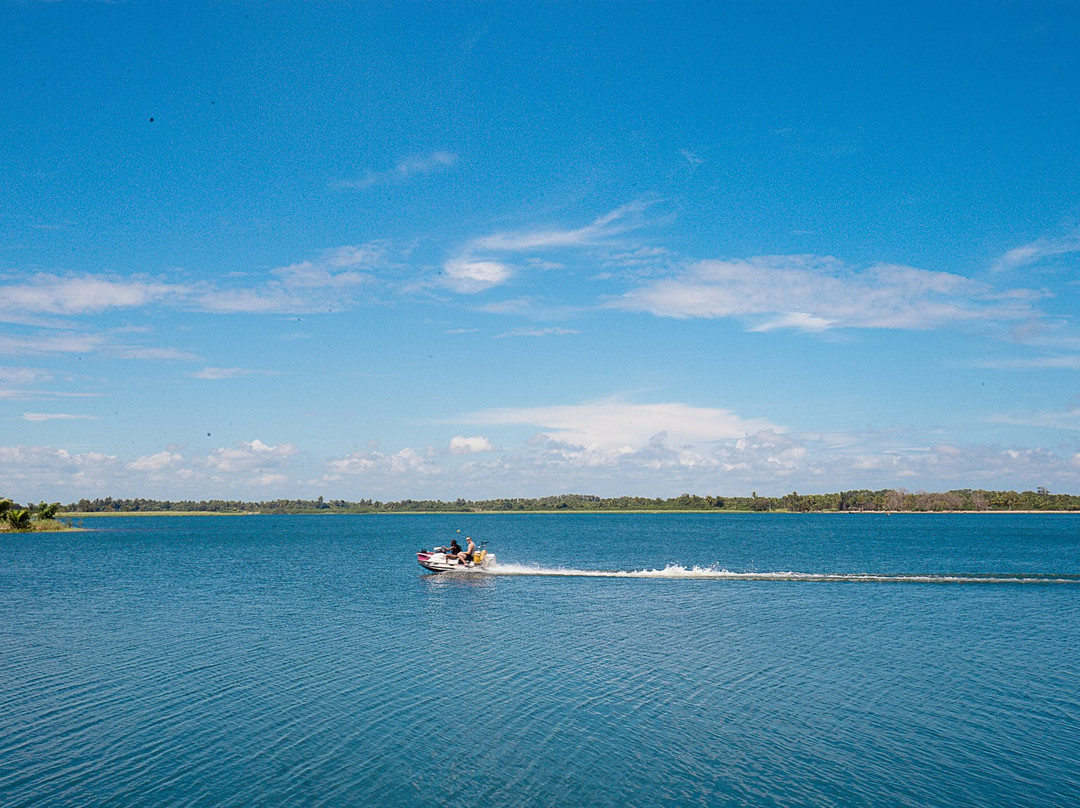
(894, 499)
(18, 518)
(47, 511)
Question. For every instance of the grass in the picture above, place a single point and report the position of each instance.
(42, 526)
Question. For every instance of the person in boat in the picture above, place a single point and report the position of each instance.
(465, 555)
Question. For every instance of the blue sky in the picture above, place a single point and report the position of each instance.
(366, 250)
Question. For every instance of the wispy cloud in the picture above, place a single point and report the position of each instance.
(23, 377)
(693, 159)
(815, 293)
(218, 374)
(335, 279)
(332, 281)
(1038, 250)
(600, 230)
(57, 416)
(50, 343)
(1066, 419)
(25, 383)
(487, 261)
(404, 169)
(83, 294)
(537, 332)
(1056, 362)
(157, 354)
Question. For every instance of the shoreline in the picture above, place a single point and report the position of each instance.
(596, 512)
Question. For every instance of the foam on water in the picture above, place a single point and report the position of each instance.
(716, 573)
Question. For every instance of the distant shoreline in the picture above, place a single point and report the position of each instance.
(592, 511)
(961, 500)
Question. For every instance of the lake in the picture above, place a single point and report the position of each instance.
(618, 660)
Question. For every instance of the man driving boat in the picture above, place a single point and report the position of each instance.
(467, 554)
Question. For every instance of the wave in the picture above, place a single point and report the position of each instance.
(715, 573)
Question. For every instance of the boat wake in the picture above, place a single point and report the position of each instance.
(714, 573)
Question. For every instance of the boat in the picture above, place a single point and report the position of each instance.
(440, 560)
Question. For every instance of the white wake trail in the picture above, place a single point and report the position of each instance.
(715, 573)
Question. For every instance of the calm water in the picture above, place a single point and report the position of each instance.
(749, 660)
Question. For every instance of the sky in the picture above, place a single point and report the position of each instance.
(441, 250)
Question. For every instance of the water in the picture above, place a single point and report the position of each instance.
(622, 660)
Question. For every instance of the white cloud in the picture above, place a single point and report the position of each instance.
(600, 230)
(615, 424)
(691, 158)
(66, 342)
(330, 282)
(459, 445)
(57, 416)
(268, 480)
(1068, 420)
(422, 165)
(662, 465)
(470, 276)
(44, 472)
(21, 382)
(375, 463)
(350, 256)
(537, 332)
(480, 264)
(23, 377)
(1038, 250)
(83, 294)
(404, 170)
(796, 321)
(156, 354)
(159, 461)
(814, 293)
(1058, 362)
(217, 374)
(336, 279)
(249, 456)
(336, 269)
(247, 301)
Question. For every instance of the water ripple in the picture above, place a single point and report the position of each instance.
(276, 665)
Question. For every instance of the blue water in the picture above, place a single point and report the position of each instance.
(843, 660)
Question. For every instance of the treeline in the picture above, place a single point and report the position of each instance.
(886, 500)
(16, 517)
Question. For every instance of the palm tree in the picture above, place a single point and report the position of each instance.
(18, 518)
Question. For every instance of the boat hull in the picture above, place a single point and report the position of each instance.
(441, 562)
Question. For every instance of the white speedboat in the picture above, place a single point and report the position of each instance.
(440, 560)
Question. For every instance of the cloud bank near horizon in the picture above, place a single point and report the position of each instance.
(667, 445)
(769, 462)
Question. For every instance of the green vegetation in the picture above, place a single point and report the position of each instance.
(886, 500)
(41, 517)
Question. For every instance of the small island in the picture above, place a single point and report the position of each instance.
(39, 518)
